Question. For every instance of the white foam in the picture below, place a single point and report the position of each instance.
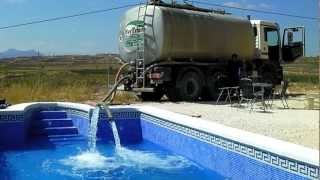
(87, 160)
(122, 159)
(144, 160)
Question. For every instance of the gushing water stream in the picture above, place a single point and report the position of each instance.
(93, 129)
(115, 134)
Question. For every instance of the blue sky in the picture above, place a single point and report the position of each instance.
(98, 33)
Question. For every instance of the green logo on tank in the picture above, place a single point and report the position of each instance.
(132, 35)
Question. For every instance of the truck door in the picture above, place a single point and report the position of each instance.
(293, 43)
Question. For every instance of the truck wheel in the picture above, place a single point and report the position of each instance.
(189, 87)
(150, 96)
(215, 81)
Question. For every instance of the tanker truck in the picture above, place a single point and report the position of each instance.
(187, 53)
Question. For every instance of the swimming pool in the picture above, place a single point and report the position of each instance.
(157, 144)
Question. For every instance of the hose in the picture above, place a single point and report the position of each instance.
(117, 82)
(117, 77)
(112, 93)
(113, 90)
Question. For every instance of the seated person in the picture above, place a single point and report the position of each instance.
(3, 103)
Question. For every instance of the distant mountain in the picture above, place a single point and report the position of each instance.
(13, 53)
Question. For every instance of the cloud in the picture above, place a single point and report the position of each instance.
(244, 4)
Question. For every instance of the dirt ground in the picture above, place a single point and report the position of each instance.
(296, 125)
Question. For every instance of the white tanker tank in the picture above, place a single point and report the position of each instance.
(172, 33)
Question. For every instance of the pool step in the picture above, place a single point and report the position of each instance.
(54, 126)
(60, 139)
(65, 138)
(53, 114)
(61, 130)
(55, 131)
(45, 123)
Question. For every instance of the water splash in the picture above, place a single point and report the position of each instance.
(87, 160)
(93, 129)
(121, 163)
(143, 160)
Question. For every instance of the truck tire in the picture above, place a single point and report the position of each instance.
(150, 96)
(215, 80)
(189, 86)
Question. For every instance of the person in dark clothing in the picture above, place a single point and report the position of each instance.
(3, 103)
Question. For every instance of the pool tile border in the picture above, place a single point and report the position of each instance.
(77, 112)
(284, 163)
(13, 116)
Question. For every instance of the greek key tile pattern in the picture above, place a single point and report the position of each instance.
(122, 115)
(126, 115)
(292, 166)
(12, 117)
(76, 112)
(116, 114)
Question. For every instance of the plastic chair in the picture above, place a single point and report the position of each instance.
(282, 93)
(248, 94)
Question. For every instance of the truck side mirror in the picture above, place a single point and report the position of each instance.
(292, 47)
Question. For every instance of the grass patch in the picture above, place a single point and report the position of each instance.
(302, 78)
(79, 79)
(56, 80)
(303, 75)
(52, 86)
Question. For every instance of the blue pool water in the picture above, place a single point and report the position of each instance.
(73, 161)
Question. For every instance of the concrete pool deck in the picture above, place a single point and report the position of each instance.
(292, 125)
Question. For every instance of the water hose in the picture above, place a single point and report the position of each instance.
(112, 93)
(117, 82)
(117, 78)
(113, 90)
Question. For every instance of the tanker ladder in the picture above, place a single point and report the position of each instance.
(140, 56)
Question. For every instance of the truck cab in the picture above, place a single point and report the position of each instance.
(271, 51)
(268, 44)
